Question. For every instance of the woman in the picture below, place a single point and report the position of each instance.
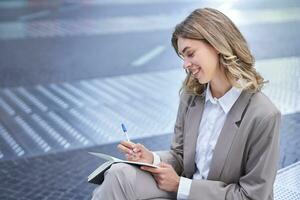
(226, 138)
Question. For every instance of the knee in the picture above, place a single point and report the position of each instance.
(121, 169)
(122, 172)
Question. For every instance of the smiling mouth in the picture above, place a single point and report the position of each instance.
(194, 72)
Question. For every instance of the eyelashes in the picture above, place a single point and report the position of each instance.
(188, 55)
(191, 55)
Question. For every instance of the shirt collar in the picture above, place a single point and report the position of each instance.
(226, 101)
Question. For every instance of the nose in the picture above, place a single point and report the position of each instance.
(186, 64)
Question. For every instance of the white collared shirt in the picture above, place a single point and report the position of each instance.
(213, 118)
(212, 122)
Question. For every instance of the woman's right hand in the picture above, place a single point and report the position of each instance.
(135, 152)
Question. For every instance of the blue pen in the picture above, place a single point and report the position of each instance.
(125, 131)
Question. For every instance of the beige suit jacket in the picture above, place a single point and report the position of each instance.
(244, 162)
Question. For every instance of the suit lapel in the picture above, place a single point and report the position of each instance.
(192, 122)
(227, 135)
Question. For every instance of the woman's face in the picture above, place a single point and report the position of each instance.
(200, 58)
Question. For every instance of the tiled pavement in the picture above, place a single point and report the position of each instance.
(58, 117)
(288, 182)
(289, 140)
(60, 175)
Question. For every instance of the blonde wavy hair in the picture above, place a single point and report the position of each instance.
(220, 32)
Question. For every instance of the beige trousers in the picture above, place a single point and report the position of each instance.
(127, 182)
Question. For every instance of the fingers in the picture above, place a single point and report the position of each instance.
(129, 157)
(132, 151)
(151, 169)
(138, 148)
(160, 170)
(156, 177)
(161, 165)
(126, 147)
(159, 177)
(133, 157)
(165, 165)
(128, 144)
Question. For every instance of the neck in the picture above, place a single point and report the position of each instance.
(220, 85)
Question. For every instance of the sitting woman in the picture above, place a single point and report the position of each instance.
(226, 136)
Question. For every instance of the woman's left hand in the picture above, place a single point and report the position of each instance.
(165, 177)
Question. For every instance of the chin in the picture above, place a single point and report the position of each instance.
(201, 81)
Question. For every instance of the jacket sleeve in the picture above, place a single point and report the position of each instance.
(260, 172)
(175, 155)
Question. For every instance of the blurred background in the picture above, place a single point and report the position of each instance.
(72, 71)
